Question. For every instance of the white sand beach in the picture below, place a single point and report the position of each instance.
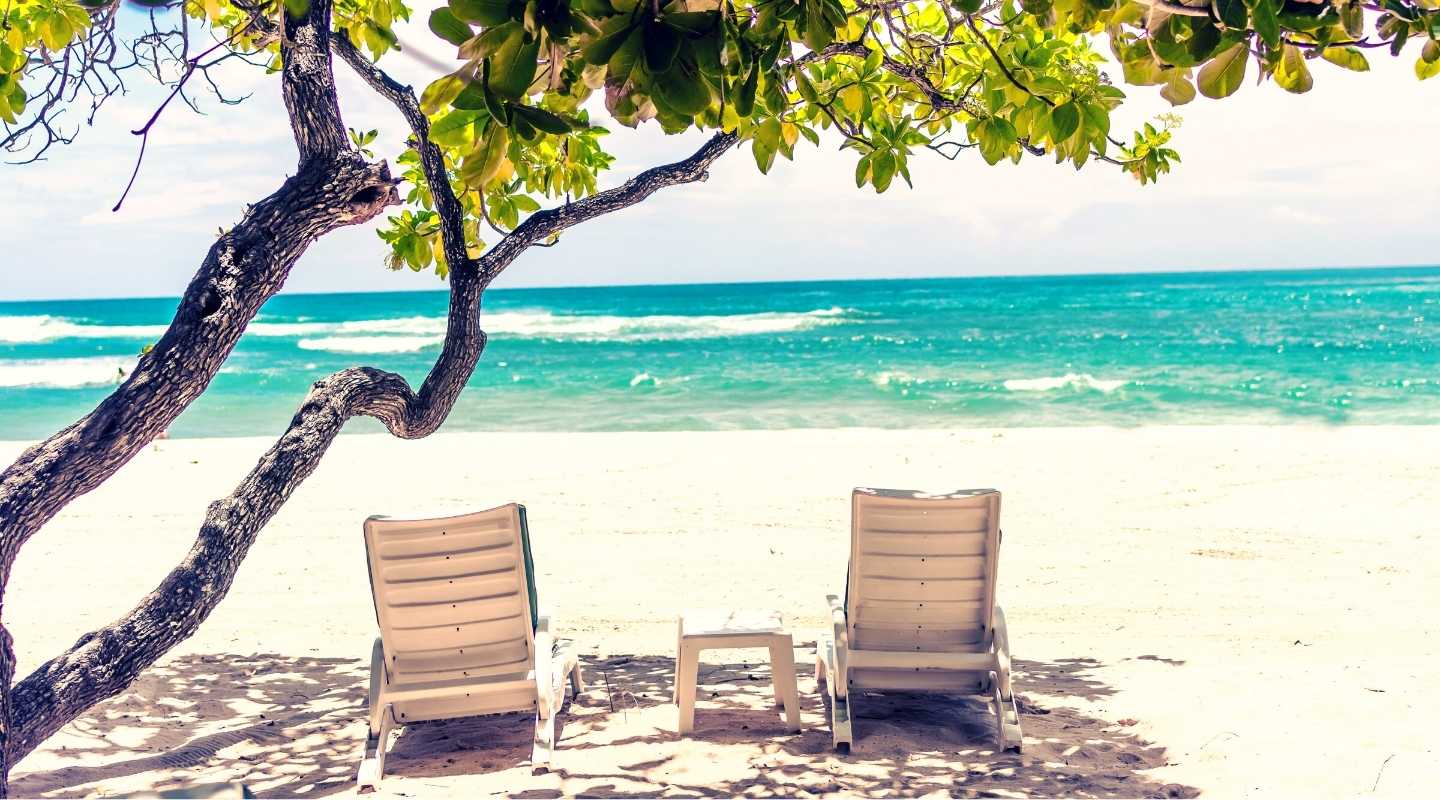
(1233, 611)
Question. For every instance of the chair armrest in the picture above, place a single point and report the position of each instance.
(544, 648)
(841, 637)
(1001, 647)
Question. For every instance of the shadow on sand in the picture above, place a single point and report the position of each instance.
(294, 726)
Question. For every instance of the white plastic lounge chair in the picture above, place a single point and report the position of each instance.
(459, 630)
(919, 612)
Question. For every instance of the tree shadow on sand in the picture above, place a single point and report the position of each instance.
(294, 727)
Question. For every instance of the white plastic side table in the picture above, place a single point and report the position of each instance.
(712, 630)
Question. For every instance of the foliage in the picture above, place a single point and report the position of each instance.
(886, 79)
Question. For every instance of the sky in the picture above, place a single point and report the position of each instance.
(1342, 176)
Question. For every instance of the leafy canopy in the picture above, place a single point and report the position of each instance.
(519, 119)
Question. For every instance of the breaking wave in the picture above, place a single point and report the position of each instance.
(371, 344)
(64, 373)
(1070, 380)
(45, 328)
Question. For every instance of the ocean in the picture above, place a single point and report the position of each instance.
(1355, 346)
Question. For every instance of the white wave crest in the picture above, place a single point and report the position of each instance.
(429, 326)
(64, 373)
(895, 378)
(370, 344)
(655, 327)
(45, 328)
(408, 334)
(1072, 380)
(370, 335)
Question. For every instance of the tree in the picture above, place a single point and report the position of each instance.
(515, 125)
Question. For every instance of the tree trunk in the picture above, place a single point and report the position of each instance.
(104, 662)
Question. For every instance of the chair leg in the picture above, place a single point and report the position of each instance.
(840, 729)
(381, 719)
(577, 680)
(544, 749)
(1007, 720)
(372, 767)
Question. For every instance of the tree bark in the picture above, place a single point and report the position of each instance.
(104, 662)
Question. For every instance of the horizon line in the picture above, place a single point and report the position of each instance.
(869, 279)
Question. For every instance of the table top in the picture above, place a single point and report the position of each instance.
(712, 622)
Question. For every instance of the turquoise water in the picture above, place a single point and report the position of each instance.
(1326, 346)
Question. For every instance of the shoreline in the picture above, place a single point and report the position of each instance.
(1219, 608)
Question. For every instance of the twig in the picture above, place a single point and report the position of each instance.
(1374, 787)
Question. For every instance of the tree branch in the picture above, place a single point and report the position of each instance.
(544, 224)
(452, 216)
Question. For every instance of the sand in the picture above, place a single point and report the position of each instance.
(1229, 610)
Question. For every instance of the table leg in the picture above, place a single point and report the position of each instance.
(782, 672)
(687, 672)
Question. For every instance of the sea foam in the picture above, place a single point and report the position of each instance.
(371, 344)
(408, 334)
(64, 373)
(45, 328)
(1070, 380)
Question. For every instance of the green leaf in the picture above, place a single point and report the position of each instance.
(995, 136)
(1097, 118)
(440, 93)
(882, 170)
(745, 98)
(1233, 13)
(447, 27)
(764, 155)
(449, 130)
(485, 12)
(542, 119)
(662, 44)
(512, 68)
(1352, 17)
(603, 48)
(1264, 17)
(695, 22)
(1425, 70)
(805, 87)
(1291, 73)
(628, 55)
(1064, 121)
(1224, 73)
(485, 45)
(1348, 57)
(819, 33)
(1178, 89)
(483, 163)
(862, 170)
(682, 89)
(55, 31)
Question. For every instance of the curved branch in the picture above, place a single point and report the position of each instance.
(544, 224)
(452, 216)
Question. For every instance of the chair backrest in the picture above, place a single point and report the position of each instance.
(922, 570)
(455, 596)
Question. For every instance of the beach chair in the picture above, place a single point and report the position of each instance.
(919, 612)
(459, 631)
